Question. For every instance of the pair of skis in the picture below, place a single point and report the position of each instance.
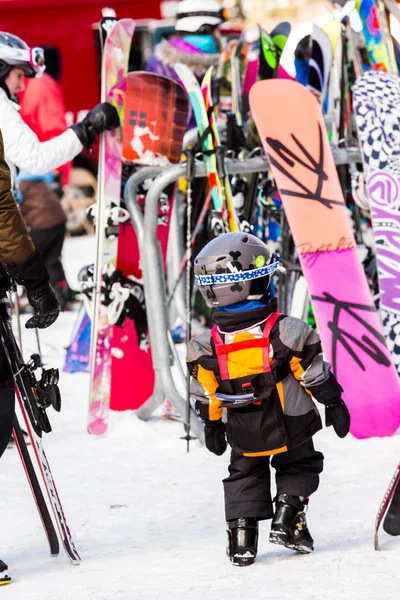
(224, 217)
(34, 397)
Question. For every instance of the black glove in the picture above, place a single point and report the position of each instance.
(214, 433)
(33, 275)
(103, 117)
(336, 414)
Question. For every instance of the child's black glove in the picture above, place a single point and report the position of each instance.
(336, 414)
(214, 433)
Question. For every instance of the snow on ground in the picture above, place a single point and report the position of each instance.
(148, 518)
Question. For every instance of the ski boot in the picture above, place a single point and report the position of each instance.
(242, 541)
(4, 578)
(289, 526)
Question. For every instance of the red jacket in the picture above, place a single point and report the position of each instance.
(43, 109)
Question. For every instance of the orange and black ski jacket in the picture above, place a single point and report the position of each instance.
(233, 358)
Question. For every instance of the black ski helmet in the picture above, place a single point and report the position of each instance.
(14, 52)
(232, 267)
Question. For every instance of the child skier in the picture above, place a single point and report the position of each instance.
(254, 377)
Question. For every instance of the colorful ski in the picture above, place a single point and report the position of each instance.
(114, 71)
(294, 136)
(287, 68)
(378, 42)
(78, 352)
(376, 98)
(196, 97)
(268, 59)
(156, 115)
(333, 105)
(280, 35)
(392, 497)
(320, 63)
(233, 220)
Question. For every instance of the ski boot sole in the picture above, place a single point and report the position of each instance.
(279, 541)
(245, 560)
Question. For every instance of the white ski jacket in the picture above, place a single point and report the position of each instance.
(22, 148)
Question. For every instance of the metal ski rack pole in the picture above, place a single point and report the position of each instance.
(161, 391)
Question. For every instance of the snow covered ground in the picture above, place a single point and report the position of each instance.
(148, 518)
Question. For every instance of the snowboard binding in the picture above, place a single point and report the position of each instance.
(242, 541)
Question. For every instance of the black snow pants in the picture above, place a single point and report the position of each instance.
(50, 243)
(248, 487)
(7, 402)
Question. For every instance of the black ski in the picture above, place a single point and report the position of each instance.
(389, 495)
(391, 524)
(36, 489)
(34, 397)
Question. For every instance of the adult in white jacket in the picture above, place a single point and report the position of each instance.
(22, 149)
(21, 145)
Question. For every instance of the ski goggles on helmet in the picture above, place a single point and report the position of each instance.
(221, 14)
(37, 60)
(236, 276)
(201, 21)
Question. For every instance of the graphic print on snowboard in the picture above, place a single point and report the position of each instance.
(156, 115)
(294, 136)
(376, 99)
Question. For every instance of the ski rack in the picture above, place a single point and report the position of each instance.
(164, 385)
(153, 272)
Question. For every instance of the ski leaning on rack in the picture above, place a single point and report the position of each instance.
(34, 397)
(227, 199)
(295, 138)
(114, 70)
(391, 523)
(376, 34)
(218, 217)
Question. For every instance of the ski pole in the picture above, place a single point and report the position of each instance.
(38, 346)
(189, 177)
(195, 233)
(18, 315)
